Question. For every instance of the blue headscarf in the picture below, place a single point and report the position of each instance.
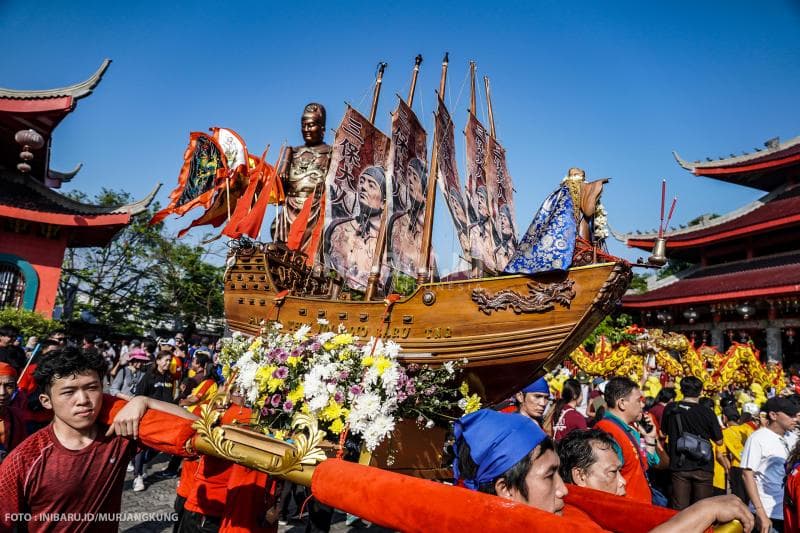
(497, 441)
(540, 385)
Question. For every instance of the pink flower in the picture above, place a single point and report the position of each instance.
(288, 405)
(355, 390)
(275, 401)
(281, 372)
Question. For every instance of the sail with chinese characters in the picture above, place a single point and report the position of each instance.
(501, 193)
(356, 194)
(447, 176)
(406, 184)
(479, 200)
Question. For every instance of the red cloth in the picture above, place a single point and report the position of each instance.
(638, 489)
(209, 490)
(41, 476)
(186, 481)
(410, 504)
(14, 431)
(250, 494)
(616, 513)
(657, 411)
(26, 382)
(791, 513)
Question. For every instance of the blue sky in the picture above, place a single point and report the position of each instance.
(612, 87)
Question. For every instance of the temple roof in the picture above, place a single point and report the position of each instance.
(766, 276)
(778, 209)
(25, 198)
(42, 111)
(763, 169)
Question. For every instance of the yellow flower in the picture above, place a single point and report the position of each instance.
(274, 384)
(464, 389)
(296, 395)
(342, 339)
(331, 411)
(337, 426)
(279, 434)
(256, 344)
(292, 361)
(304, 409)
(328, 345)
(367, 361)
(226, 371)
(473, 404)
(381, 364)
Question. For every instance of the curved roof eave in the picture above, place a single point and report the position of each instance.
(76, 91)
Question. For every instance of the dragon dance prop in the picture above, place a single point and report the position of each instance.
(676, 356)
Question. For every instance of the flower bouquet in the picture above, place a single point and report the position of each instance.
(332, 385)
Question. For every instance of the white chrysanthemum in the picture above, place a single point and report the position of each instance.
(390, 377)
(277, 326)
(450, 367)
(392, 349)
(366, 406)
(302, 333)
(325, 337)
(377, 430)
(322, 321)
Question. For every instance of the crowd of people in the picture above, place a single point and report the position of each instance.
(68, 407)
(704, 457)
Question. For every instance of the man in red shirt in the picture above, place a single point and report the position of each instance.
(69, 476)
(625, 405)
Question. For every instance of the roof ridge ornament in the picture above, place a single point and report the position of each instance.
(773, 144)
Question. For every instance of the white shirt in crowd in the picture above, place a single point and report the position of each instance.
(765, 453)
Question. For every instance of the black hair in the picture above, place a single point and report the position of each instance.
(617, 388)
(163, 353)
(570, 391)
(68, 361)
(666, 395)
(707, 402)
(576, 450)
(7, 330)
(202, 359)
(514, 477)
(691, 387)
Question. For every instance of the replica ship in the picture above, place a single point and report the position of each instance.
(509, 328)
(352, 249)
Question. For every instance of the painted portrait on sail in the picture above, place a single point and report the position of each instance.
(406, 186)
(350, 242)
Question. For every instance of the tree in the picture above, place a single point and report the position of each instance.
(639, 283)
(190, 288)
(29, 323)
(613, 329)
(142, 274)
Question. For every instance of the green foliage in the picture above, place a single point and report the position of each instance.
(639, 283)
(697, 220)
(672, 267)
(143, 277)
(611, 328)
(28, 322)
(403, 284)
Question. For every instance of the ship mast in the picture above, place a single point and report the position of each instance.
(424, 269)
(380, 244)
(472, 87)
(489, 105)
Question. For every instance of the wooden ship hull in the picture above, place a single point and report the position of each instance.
(509, 329)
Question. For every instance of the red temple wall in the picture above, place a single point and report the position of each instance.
(45, 256)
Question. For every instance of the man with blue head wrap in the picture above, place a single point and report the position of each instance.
(509, 456)
(533, 399)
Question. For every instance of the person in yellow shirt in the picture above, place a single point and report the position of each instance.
(206, 387)
(738, 427)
